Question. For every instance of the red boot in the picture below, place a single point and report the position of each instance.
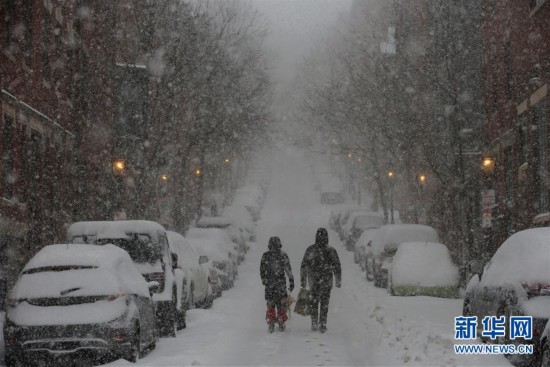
(281, 318)
(270, 317)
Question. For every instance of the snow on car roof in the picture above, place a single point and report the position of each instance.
(203, 246)
(77, 254)
(74, 269)
(114, 229)
(389, 236)
(425, 264)
(214, 235)
(523, 257)
(219, 222)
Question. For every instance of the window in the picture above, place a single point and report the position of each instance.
(542, 156)
(9, 22)
(8, 135)
(27, 52)
(508, 68)
(45, 46)
(522, 140)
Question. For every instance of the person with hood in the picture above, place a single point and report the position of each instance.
(319, 265)
(274, 268)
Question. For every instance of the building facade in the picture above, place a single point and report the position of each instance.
(51, 59)
(516, 76)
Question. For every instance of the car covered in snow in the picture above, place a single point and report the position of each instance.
(515, 282)
(147, 244)
(236, 233)
(385, 243)
(216, 245)
(73, 300)
(250, 201)
(357, 222)
(362, 246)
(423, 269)
(193, 276)
(241, 217)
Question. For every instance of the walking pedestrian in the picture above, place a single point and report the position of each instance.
(274, 268)
(319, 266)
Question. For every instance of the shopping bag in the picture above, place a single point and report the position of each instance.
(303, 303)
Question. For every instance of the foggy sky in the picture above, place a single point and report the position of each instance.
(293, 27)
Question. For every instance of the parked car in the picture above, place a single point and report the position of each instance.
(361, 245)
(194, 275)
(346, 212)
(545, 346)
(147, 245)
(385, 243)
(515, 282)
(423, 268)
(214, 244)
(337, 212)
(241, 216)
(236, 234)
(332, 197)
(358, 222)
(71, 300)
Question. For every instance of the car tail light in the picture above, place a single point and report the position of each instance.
(120, 336)
(11, 340)
(157, 277)
(537, 289)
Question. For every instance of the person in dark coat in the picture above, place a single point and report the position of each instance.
(319, 265)
(274, 268)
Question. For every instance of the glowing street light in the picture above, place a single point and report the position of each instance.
(422, 179)
(488, 164)
(198, 172)
(119, 165)
(227, 160)
(164, 178)
(390, 174)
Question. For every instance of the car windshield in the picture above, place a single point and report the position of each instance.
(140, 247)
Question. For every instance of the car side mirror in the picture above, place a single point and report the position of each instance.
(203, 259)
(153, 286)
(174, 260)
(476, 267)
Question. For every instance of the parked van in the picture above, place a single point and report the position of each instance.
(147, 244)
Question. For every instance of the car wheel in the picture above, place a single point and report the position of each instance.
(13, 360)
(545, 354)
(135, 350)
(369, 269)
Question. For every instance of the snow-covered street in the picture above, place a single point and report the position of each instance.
(366, 326)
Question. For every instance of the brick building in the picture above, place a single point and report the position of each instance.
(53, 65)
(516, 72)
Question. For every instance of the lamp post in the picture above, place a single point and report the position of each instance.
(119, 170)
(391, 176)
(488, 200)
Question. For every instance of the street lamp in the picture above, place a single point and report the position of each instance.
(391, 175)
(119, 165)
(198, 172)
(422, 179)
(164, 178)
(488, 164)
(227, 160)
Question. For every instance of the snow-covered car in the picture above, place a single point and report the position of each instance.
(385, 243)
(357, 222)
(73, 299)
(216, 245)
(423, 268)
(249, 201)
(361, 245)
(190, 274)
(147, 245)
(339, 210)
(236, 233)
(515, 282)
(344, 213)
(241, 216)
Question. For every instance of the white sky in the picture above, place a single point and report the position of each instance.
(294, 26)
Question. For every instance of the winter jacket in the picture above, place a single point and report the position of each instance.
(320, 264)
(273, 267)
